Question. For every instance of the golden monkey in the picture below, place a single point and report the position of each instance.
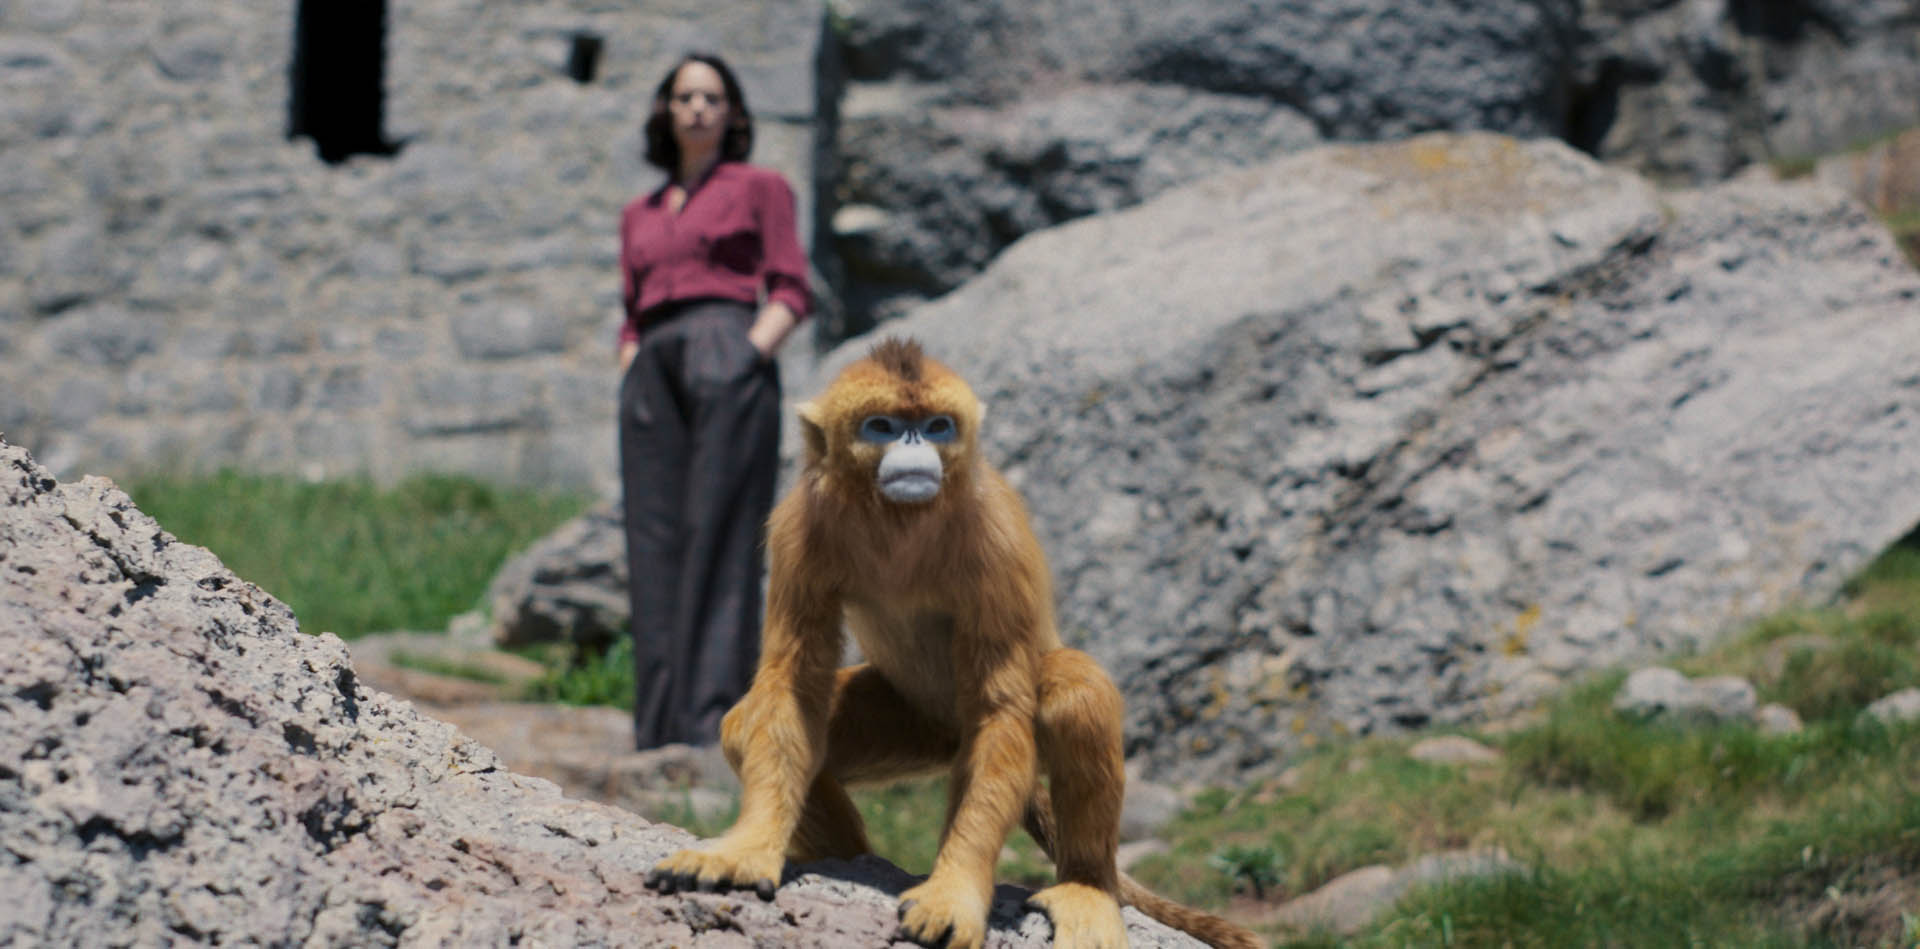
(900, 531)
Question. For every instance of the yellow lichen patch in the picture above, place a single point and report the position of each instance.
(1432, 156)
(1516, 642)
(1217, 699)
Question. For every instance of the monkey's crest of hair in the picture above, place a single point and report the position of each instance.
(901, 357)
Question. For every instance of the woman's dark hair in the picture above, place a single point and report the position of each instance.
(664, 152)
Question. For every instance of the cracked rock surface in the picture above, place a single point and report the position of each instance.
(1373, 437)
(179, 764)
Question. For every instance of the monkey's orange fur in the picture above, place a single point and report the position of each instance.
(951, 604)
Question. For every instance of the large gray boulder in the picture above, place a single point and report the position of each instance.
(180, 765)
(1379, 436)
(968, 125)
(569, 587)
(1692, 90)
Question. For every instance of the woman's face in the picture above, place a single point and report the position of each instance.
(698, 106)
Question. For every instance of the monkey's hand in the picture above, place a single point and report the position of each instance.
(948, 908)
(723, 866)
(1084, 917)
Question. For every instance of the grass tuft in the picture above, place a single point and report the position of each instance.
(349, 556)
(588, 679)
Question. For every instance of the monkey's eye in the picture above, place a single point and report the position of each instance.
(940, 428)
(880, 428)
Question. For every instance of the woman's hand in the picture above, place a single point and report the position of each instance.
(628, 350)
(770, 328)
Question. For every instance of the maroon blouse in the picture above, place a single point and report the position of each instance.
(733, 239)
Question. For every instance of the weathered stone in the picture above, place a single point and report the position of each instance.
(192, 55)
(1452, 749)
(979, 181)
(1416, 422)
(345, 388)
(399, 344)
(73, 269)
(1684, 91)
(1659, 693)
(1899, 708)
(46, 15)
(277, 390)
(571, 586)
(78, 400)
(1350, 901)
(506, 331)
(1148, 808)
(1776, 719)
(184, 764)
(457, 401)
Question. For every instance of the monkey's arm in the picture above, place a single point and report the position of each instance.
(993, 777)
(775, 738)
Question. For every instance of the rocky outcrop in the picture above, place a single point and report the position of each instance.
(1693, 91)
(968, 125)
(1380, 436)
(179, 764)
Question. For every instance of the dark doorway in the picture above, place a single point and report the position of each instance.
(338, 78)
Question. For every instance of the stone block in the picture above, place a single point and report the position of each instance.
(506, 331)
(79, 400)
(346, 388)
(103, 336)
(399, 344)
(276, 389)
(1660, 693)
(464, 401)
(197, 54)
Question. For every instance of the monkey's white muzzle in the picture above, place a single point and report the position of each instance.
(910, 473)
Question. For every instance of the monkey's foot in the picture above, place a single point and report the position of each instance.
(722, 868)
(1084, 917)
(940, 909)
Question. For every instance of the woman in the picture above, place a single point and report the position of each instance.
(713, 280)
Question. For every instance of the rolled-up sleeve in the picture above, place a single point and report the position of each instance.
(785, 269)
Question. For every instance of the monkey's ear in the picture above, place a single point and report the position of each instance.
(813, 433)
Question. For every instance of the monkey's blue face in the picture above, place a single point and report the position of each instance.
(910, 470)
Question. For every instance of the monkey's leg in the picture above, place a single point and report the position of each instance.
(874, 736)
(992, 778)
(1079, 742)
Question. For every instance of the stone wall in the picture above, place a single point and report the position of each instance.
(183, 286)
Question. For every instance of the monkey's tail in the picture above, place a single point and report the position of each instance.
(1206, 927)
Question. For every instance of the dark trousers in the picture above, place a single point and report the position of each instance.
(699, 448)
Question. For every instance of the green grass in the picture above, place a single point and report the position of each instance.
(588, 679)
(1633, 834)
(351, 557)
